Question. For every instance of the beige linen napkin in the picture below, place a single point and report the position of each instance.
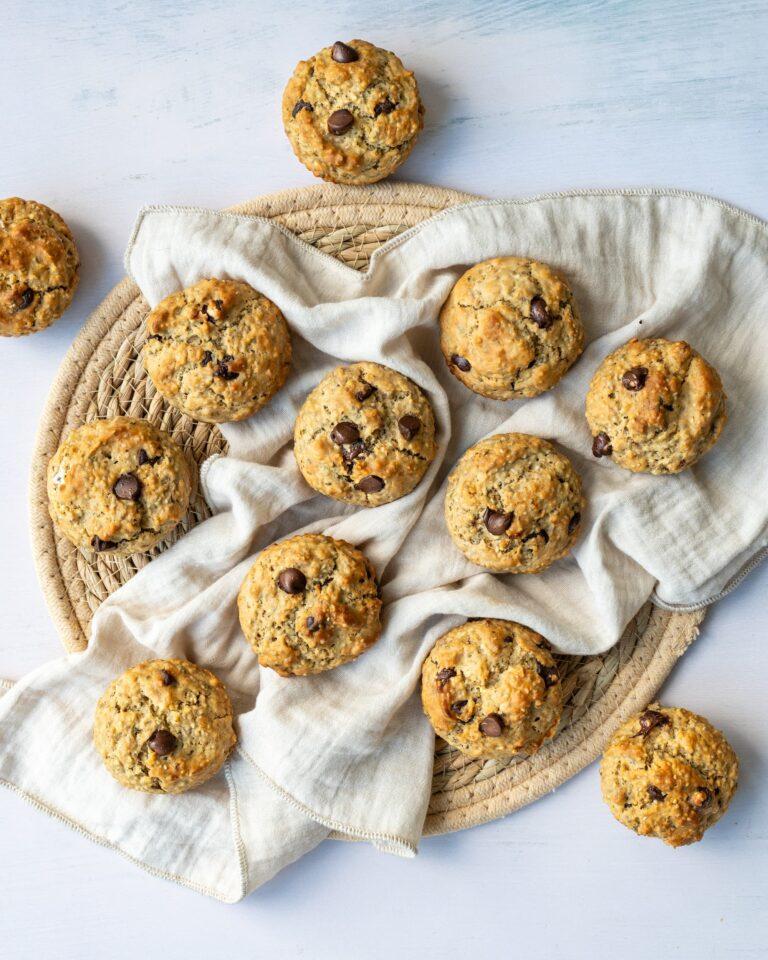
(349, 751)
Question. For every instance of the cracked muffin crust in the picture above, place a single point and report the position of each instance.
(39, 267)
(510, 328)
(164, 726)
(490, 688)
(365, 435)
(118, 486)
(352, 112)
(218, 351)
(668, 773)
(514, 504)
(309, 604)
(655, 406)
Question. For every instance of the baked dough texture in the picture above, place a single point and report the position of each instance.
(118, 486)
(655, 406)
(309, 604)
(668, 773)
(352, 113)
(39, 267)
(218, 351)
(514, 504)
(490, 688)
(365, 435)
(510, 328)
(164, 726)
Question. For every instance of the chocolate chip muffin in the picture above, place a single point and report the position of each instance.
(365, 435)
(655, 406)
(218, 351)
(668, 773)
(39, 267)
(352, 112)
(510, 328)
(118, 486)
(164, 726)
(309, 604)
(490, 688)
(514, 504)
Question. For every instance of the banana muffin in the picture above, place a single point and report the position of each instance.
(365, 435)
(309, 604)
(668, 773)
(118, 486)
(655, 406)
(510, 328)
(514, 504)
(218, 351)
(352, 112)
(39, 267)
(490, 688)
(164, 726)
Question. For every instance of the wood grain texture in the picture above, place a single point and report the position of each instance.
(108, 105)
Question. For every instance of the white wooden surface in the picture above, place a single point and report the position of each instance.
(106, 106)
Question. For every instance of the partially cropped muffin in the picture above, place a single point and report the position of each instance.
(39, 267)
(164, 726)
(490, 688)
(309, 604)
(365, 435)
(668, 773)
(118, 486)
(218, 351)
(510, 328)
(655, 406)
(514, 504)
(352, 112)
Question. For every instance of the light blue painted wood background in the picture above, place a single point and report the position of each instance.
(106, 106)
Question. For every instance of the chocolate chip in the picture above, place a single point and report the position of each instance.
(144, 457)
(301, 105)
(654, 793)
(492, 725)
(574, 522)
(443, 676)
(461, 362)
(539, 313)
(168, 678)
(409, 426)
(345, 432)
(127, 487)
(227, 358)
(163, 742)
(634, 379)
(366, 391)
(342, 53)
(651, 719)
(313, 625)
(458, 706)
(100, 545)
(370, 484)
(23, 300)
(601, 445)
(700, 797)
(386, 106)
(497, 523)
(207, 357)
(291, 580)
(340, 121)
(223, 371)
(352, 451)
(547, 673)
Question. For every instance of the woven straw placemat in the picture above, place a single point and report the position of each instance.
(102, 376)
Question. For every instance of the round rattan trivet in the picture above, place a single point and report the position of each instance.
(102, 377)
